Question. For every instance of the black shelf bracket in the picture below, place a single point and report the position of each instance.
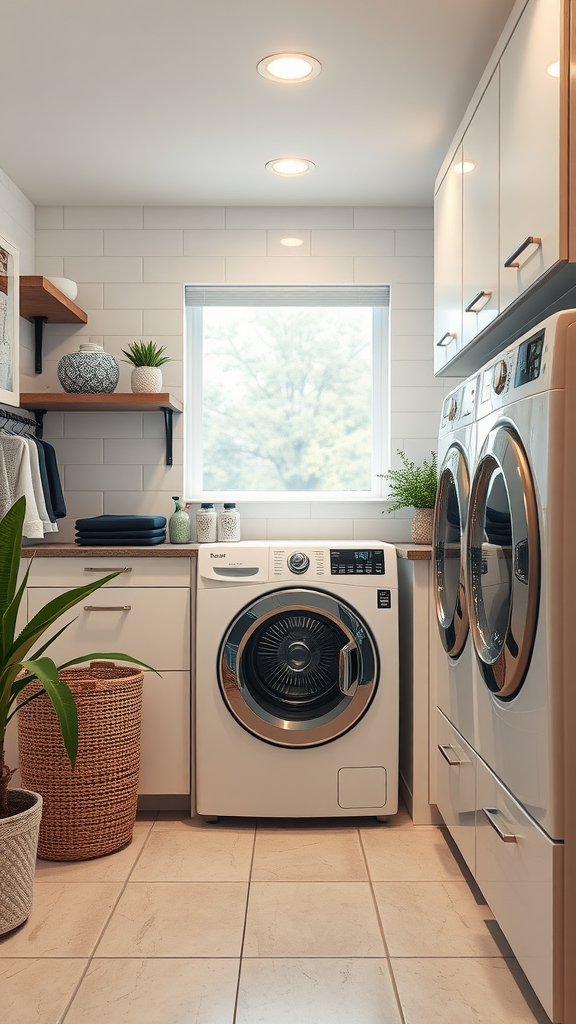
(39, 417)
(38, 322)
(169, 428)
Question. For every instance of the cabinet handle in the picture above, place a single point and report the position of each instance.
(512, 260)
(506, 837)
(481, 295)
(452, 761)
(446, 339)
(347, 678)
(106, 568)
(107, 607)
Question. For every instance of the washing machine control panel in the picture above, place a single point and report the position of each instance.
(351, 562)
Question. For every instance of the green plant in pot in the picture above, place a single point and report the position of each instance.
(147, 358)
(23, 659)
(412, 486)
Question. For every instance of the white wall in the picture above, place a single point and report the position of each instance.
(131, 264)
(17, 227)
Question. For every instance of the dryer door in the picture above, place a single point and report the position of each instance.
(450, 515)
(503, 562)
(298, 667)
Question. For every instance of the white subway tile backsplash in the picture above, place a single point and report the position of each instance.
(250, 529)
(126, 269)
(405, 346)
(388, 529)
(415, 373)
(352, 243)
(163, 321)
(274, 245)
(118, 217)
(85, 451)
(414, 243)
(143, 243)
(412, 321)
(49, 217)
(425, 399)
(357, 509)
(415, 424)
(310, 529)
(184, 269)
(53, 425)
(367, 217)
(393, 270)
(419, 448)
(82, 504)
(49, 266)
(98, 478)
(182, 217)
(97, 424)
(145, 451)
(112, 321)
(275, 509)
(68, 243)
(153, 425)
(163, 478)
(289, 217)
(289, 270)
(141, 503)
(143, 296)
(90, 296)
(412, 296)
(225, 243)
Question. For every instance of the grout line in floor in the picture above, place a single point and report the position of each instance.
(237, 993)
(381, 927)
(105, 925)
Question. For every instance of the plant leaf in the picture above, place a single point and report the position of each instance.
(108, 657)
(11, 614)
(62, 700)
(11, 527)
(40, 651)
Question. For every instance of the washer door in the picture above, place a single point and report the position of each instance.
(450, 514)
(298, 667)
(503, 562)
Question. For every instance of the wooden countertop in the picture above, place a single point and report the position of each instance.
(413, 552)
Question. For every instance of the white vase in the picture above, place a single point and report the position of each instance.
(422, 525)
(146, 378)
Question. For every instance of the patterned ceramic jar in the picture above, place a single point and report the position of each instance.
(229, 522)
(91, 371)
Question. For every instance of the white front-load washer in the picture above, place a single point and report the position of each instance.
(515, 558)
(297, 679)
(454, 652)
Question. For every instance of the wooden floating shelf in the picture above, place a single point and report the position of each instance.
(41, 403)
(39, 297)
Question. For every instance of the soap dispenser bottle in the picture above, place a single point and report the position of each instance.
(179, 524)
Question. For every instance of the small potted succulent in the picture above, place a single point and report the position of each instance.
(147, 358)
(413, 486)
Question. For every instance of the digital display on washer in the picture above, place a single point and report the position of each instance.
(347, 562)
(529, 362)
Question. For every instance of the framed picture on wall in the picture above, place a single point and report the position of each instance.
(9, 321)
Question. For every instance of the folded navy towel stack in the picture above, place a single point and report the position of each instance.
(121, 531)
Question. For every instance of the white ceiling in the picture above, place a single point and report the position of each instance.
(158, 102)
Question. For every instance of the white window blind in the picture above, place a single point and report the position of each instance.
(287, 295)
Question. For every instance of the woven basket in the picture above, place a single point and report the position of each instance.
(90, 811)
(18, 842)
(422, 525)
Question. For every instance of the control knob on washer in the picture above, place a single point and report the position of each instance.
(500, 376)
(298, 562)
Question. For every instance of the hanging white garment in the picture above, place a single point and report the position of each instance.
(48, 526)
(16, 482)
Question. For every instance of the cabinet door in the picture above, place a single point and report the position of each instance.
(165, 750)
(448, 264)
(456, 788)
(480, 215)
(529, 149)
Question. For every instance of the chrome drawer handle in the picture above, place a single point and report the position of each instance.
(446, 339)
(512, 260)
(107, 607)
(506, 837)
(347, 678)
(106, 568)
(444, 748)
(478, 299)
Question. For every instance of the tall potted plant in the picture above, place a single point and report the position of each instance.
(147, 358)
(413, 486)
(20, 810)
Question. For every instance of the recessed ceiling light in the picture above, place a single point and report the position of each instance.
(291, 166)
(291, 242)
(554, 69)
(289, 68)
(464, 167)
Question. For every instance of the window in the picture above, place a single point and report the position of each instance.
(287, 391)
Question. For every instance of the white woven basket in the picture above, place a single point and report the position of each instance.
(422, 525)
(18, 845)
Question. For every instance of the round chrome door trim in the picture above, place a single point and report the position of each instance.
(451, 615)
(504, 657)
(288, 732)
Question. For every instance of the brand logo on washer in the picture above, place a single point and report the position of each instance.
(212, 555)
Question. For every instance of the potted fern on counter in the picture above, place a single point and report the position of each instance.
(23, 663)
(413, 486)
(147, 358)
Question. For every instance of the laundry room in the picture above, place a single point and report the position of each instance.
(287, 321)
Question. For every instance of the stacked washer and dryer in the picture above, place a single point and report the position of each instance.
(502, 579)
(297, 679)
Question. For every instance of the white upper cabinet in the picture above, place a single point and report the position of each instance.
(480, 293)
(448, 265)
(530, 150)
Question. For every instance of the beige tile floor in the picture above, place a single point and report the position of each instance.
(346, 922)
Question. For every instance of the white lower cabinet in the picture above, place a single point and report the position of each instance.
(519, 869)
(456, 788)
(165, 766)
